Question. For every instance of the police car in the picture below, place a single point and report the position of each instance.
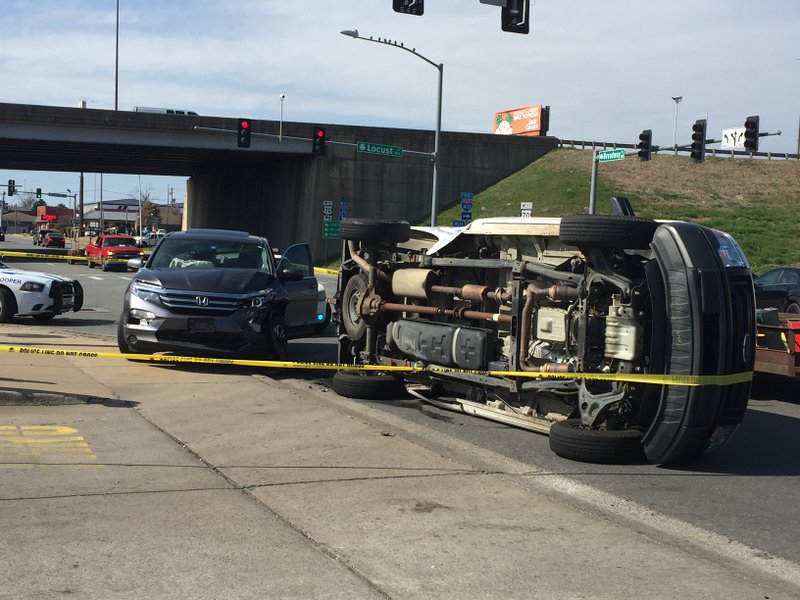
(38, 295)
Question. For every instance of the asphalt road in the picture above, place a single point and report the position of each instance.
(746, 492)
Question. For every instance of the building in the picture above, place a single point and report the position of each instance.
(123, 216)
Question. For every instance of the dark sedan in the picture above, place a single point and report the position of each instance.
(779, 288)
(53, 239)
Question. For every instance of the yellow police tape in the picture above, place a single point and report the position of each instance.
(80, 257)
(681, 380)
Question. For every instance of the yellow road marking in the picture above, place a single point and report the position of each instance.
(41, 442)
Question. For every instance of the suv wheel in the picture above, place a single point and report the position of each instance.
(278, 335)
(122, 344)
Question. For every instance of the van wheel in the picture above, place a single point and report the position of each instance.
(570, 440)
(375, 230)
(354, 292)
(615, 231)
(369, 385)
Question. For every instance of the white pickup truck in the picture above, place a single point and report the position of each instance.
(151, 238)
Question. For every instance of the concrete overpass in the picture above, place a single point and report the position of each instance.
(274, 188)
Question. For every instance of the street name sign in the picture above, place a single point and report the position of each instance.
(609, 155)
(57, 195)
(383, 149)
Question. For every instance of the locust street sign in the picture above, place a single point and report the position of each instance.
(371, 148)
(609, 155)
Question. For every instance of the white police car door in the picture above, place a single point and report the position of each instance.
(301, 311)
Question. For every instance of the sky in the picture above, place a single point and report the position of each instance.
(607, 70)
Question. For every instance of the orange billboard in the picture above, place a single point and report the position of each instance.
(528, 120)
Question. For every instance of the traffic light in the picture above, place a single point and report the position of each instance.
(698, 152)
(409, 7)
(645, 144)
(38, 193)
(243, 137)
(514, 16)
(12, 187)
(751, 134)
(318, 139)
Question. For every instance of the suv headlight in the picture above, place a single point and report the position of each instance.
(259, 301)
(31, 286)
(146, 292)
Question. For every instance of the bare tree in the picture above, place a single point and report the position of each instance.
(27, 201)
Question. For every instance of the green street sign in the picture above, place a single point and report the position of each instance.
(609, 155)
(330, 229)
(57, 195)
(371, 148)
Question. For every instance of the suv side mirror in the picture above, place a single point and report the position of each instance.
(135, 263)
(289, 274)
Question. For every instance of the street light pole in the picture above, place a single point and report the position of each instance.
(353, 33)
(116, 65)
(280, 125)
(677, 100)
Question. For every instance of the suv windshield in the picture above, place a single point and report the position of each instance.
(182, 253)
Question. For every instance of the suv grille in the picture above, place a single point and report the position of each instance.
(199, 303)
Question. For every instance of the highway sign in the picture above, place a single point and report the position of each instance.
(371, 148)
(733, 138)
(330, 229)
(609, 155)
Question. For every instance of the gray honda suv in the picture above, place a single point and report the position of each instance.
(219, 292)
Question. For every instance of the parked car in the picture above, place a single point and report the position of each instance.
(53, 239)
(111, 250)
(38, 295)
(779, 288)
(545, 324)
(219, 292)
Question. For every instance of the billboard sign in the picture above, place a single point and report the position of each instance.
(528, 120)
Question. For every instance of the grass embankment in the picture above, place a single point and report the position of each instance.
(757, 201)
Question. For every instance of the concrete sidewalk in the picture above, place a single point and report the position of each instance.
(381, 510)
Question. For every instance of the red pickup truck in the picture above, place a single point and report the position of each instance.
(112, 250)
